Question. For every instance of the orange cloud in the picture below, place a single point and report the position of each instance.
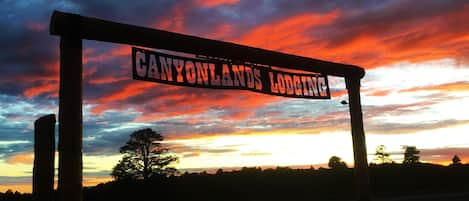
(369, 45)
(166, 106)
(379, 93)
(42, 89)
(287, 35)
(449, 87)
(90, 54)
(107, 80)
(101, 108)
(365, 43)
(133, 89)
(375, 44)
(215, 3)
(174, 20)
(24, 158)
(45, 82)
(89, 72)
(93, 181)
(339, 93)
(220, 32)
(149, 116)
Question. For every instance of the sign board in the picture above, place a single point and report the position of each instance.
(224, 74)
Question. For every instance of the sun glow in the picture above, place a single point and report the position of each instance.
(262, 150)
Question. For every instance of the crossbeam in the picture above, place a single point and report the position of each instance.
(101, 30)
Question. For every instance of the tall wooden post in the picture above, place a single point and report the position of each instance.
(362, 178)
(70, 118)
(44, 150)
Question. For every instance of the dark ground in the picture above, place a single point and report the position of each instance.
(391, 182)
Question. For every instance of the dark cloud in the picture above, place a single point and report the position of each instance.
(105, 134)
(29, 54)
(102, 173)
(141, 13)
(7, 180)
(409, 128)
(13, 149)
(193, 150)
(17, 118)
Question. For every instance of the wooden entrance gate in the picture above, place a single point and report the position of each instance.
(73, 28)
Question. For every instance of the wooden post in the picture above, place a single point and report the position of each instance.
(70, 119)
(362, 178)
(44, 150)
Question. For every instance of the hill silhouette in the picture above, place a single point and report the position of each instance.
(281, 183)
(388, 180)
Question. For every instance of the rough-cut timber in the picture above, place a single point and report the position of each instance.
(102, 30)
(362, 178)
(70, 186)
(44, 150)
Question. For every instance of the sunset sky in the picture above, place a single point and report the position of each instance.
(415, 91)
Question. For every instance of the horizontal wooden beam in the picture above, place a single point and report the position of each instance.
(107, 31)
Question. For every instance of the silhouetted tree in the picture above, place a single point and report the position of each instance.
(336, 162)
(144, 157)
(411, 155)
(125, 169)
(456, 161)
(9, 192)
(381, 156)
